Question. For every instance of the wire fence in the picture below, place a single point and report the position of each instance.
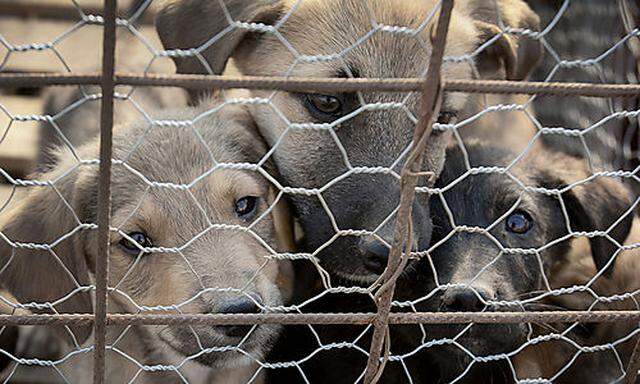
(357, 201)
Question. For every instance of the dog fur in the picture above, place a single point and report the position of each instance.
(311, 158)
(208, 259)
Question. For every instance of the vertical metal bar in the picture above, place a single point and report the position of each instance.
(431, 98)
(104, 188)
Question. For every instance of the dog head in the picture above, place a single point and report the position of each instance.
(502, 232)
(187, 234)
(341, 39)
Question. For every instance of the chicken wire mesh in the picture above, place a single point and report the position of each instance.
(523, 203)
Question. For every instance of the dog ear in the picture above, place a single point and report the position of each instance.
(285, 241)
(207, 28)
(283, 222)
(42, 257)
(509, 56)
(595, 206)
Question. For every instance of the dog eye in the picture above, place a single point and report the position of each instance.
(323, 106)
(245, 207)
(519, 222)
(447, 117)
(140, 239)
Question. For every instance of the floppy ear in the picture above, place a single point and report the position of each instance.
(285, 241)
(596, 206)
(206, 26)
(42, 258)
(511, 56)
(283, 222)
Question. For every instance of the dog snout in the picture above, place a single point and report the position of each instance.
(375, 255)
(240, 305)
(465, 299)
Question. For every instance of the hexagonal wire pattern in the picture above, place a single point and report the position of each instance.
(272, 255)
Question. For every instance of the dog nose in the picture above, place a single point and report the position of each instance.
(375, 255)
(464, 299)
(240, 305)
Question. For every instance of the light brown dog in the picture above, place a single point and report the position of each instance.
(189, 235)
(341, 39)
(615, 341)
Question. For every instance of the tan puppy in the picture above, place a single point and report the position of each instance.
(620, 291)
(341, 39)
(188, 236)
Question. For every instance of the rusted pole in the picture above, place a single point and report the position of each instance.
(296, 84)
(104, 188)
(331, 318)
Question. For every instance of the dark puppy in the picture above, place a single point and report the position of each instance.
(502, 231)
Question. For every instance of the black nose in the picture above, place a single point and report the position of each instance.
(375, 255)
(464, 299)
(239, 305)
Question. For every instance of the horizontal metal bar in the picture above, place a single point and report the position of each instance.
(293, 84)
(214, 82)
(67, 11)
(68, 319)
(332, 318)
(41, 79)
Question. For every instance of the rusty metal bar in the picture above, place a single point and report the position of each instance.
(42, 79)
(65, 12)
(331, 318)
(293, 84)
(430, 106)
(63, 319)
(104, 188)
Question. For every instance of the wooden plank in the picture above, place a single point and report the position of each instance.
(82, 3)
(66, 10)
(79, 49)
(19, 139)
(123, 5)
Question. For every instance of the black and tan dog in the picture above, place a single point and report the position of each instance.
(499, 234)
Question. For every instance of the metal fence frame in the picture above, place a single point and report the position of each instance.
(431, 88)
